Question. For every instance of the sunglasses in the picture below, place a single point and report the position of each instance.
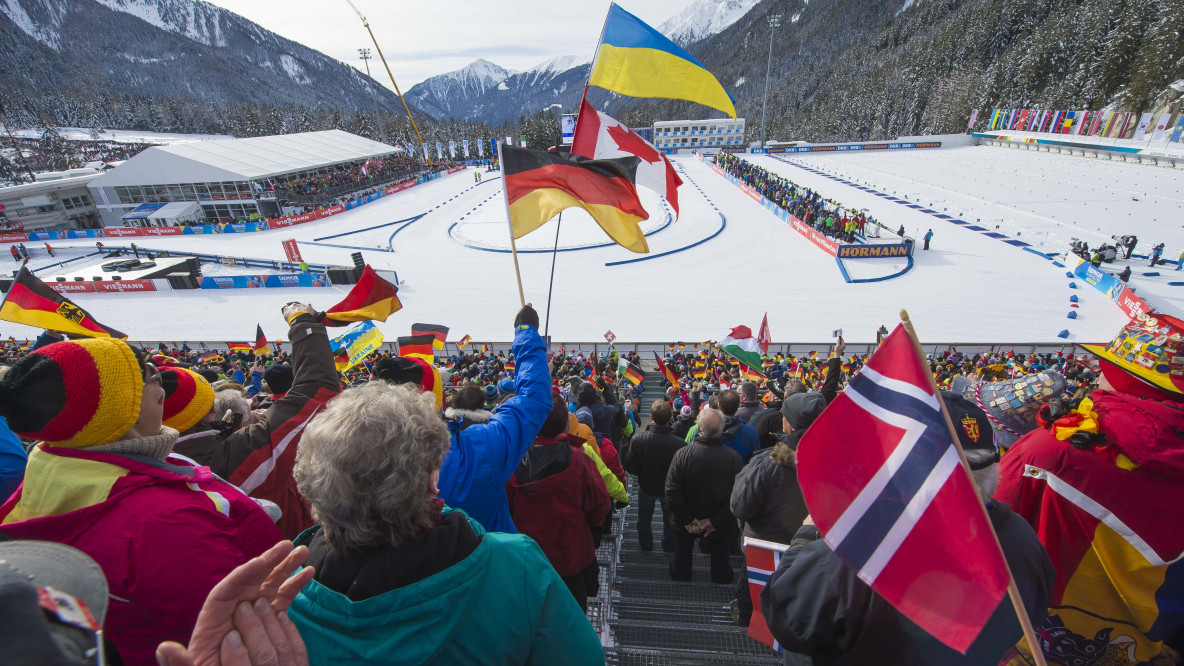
(151, 374)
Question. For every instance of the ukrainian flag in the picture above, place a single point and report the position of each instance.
(635, 60)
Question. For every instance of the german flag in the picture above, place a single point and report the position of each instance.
(699, 373)
(440, 333)
(341, 359)
(633, 374)
(371, 299)
(509, 366)
(464, 342)
(31, 302)
(539, 185)
(237, 347)
(418, 346)
(211, 357)
(484, 348)
(260, 341)
(669, 374)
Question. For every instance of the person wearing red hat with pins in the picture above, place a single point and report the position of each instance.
(1099, 484)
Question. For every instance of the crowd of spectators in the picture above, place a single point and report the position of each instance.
(273, 507)
(329, 181)
(825, 215)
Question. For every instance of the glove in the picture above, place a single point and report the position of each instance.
(526, 317)
(620, 505)
(293, 310)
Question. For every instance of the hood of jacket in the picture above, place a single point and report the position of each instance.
(1149, 432)
(732, 426)
(467, 417)
(547, 466)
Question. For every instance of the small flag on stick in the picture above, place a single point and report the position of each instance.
(371, 299)
(439, 333)
(260, 341)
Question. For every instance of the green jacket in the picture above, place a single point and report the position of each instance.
(503, 604)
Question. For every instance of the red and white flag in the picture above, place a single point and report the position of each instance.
(763, 338)
(762, 559)
(600, 136)
(895, 502)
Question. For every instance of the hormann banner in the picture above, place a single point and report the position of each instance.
(872, 251)
(904, 145)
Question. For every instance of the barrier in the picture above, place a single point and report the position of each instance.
(264, 281)
(103, 286)
(1114, 289)
(842, 147)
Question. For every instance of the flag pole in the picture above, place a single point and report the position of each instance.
(551, 288)
(1013, 591)
(510, 222)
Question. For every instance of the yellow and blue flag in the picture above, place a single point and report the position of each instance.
(635, 60)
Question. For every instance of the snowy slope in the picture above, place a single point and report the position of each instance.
(440, 96)
(704, 18)
(968, 289)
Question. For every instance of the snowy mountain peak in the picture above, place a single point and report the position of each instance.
(195, 19)
(704, 18)
(480, 70)
(440, 95)
(560, 64)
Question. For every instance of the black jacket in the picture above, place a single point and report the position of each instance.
(699, 483)
(608, 421)
(682, 427)
(747, 409)
(648, 456)
(816, 605)
(767, 497)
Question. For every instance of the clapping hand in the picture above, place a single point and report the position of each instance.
(244, 619)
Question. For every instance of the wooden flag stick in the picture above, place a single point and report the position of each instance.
(1013, 591)
(510, 222)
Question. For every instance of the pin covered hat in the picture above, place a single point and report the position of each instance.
(1145, 358)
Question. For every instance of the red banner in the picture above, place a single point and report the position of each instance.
(162, 231)
(1131, 304)
(120, 286)
(13, 238)
(827, 245)
(455, 169)
(292, 251)
(117, 232)
(72, 287)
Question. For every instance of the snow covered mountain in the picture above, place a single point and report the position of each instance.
(704, 18)
(442, 95)
(557, 81)
(169, 48)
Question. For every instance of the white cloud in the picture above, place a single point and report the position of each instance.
(422, 39)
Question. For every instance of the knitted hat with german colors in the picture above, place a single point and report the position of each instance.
(74, 394)
(1145, 358)
(188, 397)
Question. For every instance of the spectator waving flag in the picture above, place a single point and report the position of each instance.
(438, 332)
(260, 346)
(895, 502)
(669, 374)
(762, 558)
(31, 302)
(740, 345)
(372, 298)
(464, 342)
(634, 59)
(599, 136)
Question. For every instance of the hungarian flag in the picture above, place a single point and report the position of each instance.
(539, 185)
(371, 299)
(740, 345)
(438, 333)
(239, 346)
(260, 341)
(31, 302)
(888, 500)
(669, 374)
(762, 559)
(464, 342)
(633, 374)
(419, 346)
(599, 136)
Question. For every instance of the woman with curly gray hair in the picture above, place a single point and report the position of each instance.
(401, 578)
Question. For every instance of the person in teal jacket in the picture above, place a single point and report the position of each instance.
(399, 577)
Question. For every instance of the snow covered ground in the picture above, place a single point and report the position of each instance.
(744, 261)
(120, 136)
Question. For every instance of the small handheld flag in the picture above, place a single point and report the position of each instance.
(633, 374)
(419, 346)
(239, 346)
(438, 333)
(669, 374)
(260, 341)
(31, 302)
(464, 342)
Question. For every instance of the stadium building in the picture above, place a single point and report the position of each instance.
(229, 179)
(54, 202)
(702, 135)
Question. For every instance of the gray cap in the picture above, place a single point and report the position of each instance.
(800, 409)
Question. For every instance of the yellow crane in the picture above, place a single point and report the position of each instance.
(366, 23)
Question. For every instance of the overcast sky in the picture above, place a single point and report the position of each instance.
(423, 38)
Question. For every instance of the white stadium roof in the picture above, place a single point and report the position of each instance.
(241, 159)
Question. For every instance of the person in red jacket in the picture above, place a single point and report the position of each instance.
(103, 480)
(1100, 485)
(556, 498)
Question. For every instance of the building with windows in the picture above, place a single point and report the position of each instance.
(229, 179)
(702, 135)
(50, 205)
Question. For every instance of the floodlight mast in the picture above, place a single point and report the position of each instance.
(423, 146)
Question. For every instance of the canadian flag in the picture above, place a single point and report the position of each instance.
(600, 136)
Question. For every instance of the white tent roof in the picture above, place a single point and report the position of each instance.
(241, 159)
(175, 210)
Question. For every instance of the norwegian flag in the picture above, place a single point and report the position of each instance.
(599, 136)
(886, 487)
(763, 558)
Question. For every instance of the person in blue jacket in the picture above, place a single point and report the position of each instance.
(13, 459)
